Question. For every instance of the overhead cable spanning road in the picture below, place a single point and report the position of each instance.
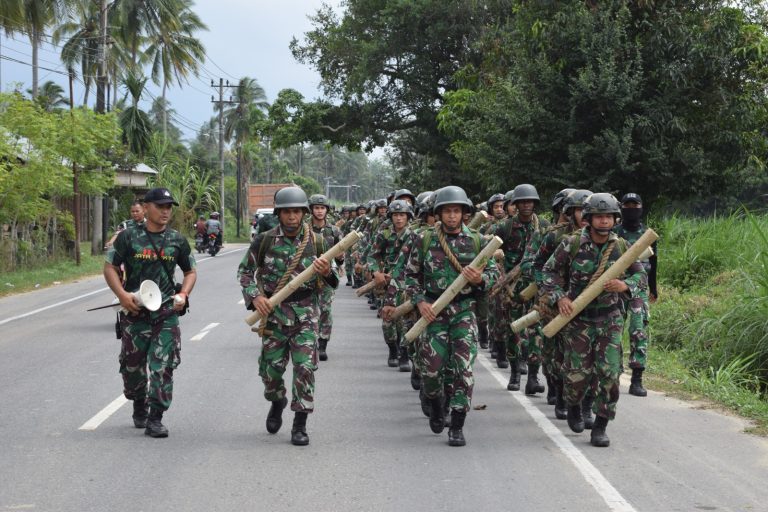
(69, 442)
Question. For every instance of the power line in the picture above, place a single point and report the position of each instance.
(5, 57)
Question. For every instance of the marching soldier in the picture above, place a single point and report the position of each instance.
(151, 339)
(290, 329)
(490, 329)
(437, 257)
(631, 229)
(318, 205)
(593, 337)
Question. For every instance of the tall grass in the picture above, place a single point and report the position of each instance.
(714, 306)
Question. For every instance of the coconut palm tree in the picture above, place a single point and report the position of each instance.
(80, 33)
(51, 96)
(173, 49)
(137, 19)
(135, 123)
(39, 14)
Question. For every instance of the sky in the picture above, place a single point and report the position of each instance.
(245, 38)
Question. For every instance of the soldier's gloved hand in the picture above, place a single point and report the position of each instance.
(262, 305)
(386, 312)
(474, 276)
(425, 310)
(322, 267)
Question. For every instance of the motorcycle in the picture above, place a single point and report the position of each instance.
(213, 246)
(199, 244)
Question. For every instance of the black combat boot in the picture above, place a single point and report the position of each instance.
(299, 435)
(514, 377)
(322, 345)
(275, 415)
(532, 385)
(349, 280)
(636, 385)
(455, 434)
(522, 359)
(561, 410)
(436, 420)
(598, 436)
(392, 357)
(403, 361)
(140, 413)
(426, 407)
(446, 410)
(415, 378)
(586, 410)
(154, 426)
(550, 390)
(501, 356)
(482, 334)
(494, 349)
(575, 421)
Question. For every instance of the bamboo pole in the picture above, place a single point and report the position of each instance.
(525, 321)
(455, 287)
(596, 288)
(530, 291)
(307, 274)
(402, 310)
(478, 220)
(370, 285)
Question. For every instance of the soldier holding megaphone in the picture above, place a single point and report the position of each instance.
(150, 331)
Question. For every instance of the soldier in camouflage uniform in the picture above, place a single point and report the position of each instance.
(593, 337)
(349, 262)
(631, 229)
(486, 322)
(137, 217)
(552, 348)
(318, 205)
(290, 329)
(450, 343)
(387, 246)
(516, 232)
(150, 251)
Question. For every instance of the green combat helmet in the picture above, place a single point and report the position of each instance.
(399, 206)
(318, 200)
(525, 192)
(290, 197)
(575, 200)
(403, 193)
(602, 202)
(559, 200)
(452, 195)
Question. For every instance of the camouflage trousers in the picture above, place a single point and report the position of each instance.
(325, 324)
(638, 314)
(593, 350)
(149, 352)
(528, 338)
(448, 351)
(349, 265)
(551, 354)
(299, 343)
(497, 329)
(483, 310)
(393, 331)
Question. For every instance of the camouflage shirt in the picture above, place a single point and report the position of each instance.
(257, 278)
(565, 276)
(428, 273)
(332, 236)
(386, 247)
(540, 248)
(133, 249)
(516, 235)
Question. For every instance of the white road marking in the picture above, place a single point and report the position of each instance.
(592, 475)
(205, 330)
(46, 308)
(102, 415)
(40, 310)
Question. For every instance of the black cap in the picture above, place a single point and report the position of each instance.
(631, 197)
(160, 196)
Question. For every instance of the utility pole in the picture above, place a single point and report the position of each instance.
(75, 178)
(97, 235)
(220, 105)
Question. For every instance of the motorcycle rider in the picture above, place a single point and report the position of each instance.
(200, 233)
(213, 227)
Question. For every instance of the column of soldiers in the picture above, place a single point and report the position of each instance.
(413, 248)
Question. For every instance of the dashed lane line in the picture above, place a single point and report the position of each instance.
(592, 475)
(205, 330)
(102, 415)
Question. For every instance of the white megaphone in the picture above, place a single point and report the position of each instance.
(149, 295)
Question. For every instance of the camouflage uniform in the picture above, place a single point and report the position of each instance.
(450, 340)
(291, 328)
(150, 338)
(516, 236)
(593, 338)
(638, 307)
(332, 236)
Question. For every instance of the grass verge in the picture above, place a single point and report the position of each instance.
(60, 271)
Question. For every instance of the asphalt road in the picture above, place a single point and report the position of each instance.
(371, 447)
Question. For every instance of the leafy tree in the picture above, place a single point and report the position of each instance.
(135, 123)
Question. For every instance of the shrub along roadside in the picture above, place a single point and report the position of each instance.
(62, 270)
(709, 329)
